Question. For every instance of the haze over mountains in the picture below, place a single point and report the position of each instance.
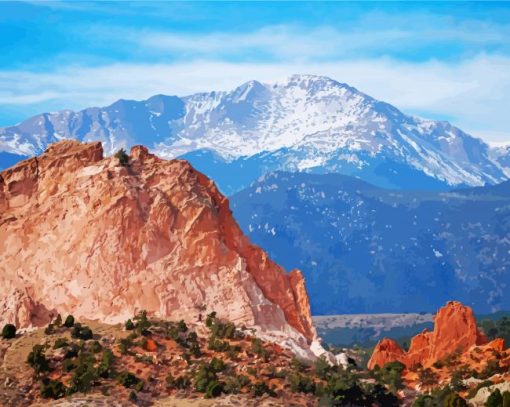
(305, 123)
(364, 249)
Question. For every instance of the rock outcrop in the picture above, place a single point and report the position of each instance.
(81, 234)
(455, 331)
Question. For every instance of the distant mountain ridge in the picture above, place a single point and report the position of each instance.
(305, 123)
(364, 249)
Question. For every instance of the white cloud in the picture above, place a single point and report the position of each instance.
(288, 42)
(474, 93)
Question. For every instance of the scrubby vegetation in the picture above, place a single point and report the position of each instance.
(9, 331)
(391, 375)
(37, 359)
(69, 322)
(445, 397)
(122, 156)
(499, 328)
(498, 399)
(82, 332)
(155, 357)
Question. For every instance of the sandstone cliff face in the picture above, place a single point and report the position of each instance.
(81, 234)
(455, 330)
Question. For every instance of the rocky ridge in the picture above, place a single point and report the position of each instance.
(455, 335)
(82, 234)
(455, 331)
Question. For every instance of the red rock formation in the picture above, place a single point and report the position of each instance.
(455, 331)
(387, 350)
(86, 236)
(151, 345)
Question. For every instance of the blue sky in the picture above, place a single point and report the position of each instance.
(438, 60)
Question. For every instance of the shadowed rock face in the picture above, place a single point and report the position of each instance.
(455, 331)
(81, 234)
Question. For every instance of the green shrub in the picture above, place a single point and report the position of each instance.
(217, 365)
(68, 365)
(195, 350)
(124, 345)
(497, 329)
(129, 325)
(456, 382)
(53, 389)
(133, 397)
(491, 368)
(495, 399)
(391, 375)
(223, 329)
(506, 399)
(142, 323)
(214, 389)
(233, 352)
(82, 332)
(233, 385)
(207, 373)
(58, 320)
(181, 326)
(129, 380)
(49, 330)
(301, 384)
(260, 388)
(380, 396)
(344, 386)
(85, 374)
(442, 397)
(122, 157)
(427, 376)
(37, 359)
(257, 347)
(9, 331)
(298, 365)
(209, 321)
(69, 322)
(147, 359)
(180, 382)
(72, 351)
(454, 400)
(438, 364)
(425, 400)
(60, 343)
(95, 347)
(276, 374)
(105, 367)
(322, 368)
(218, 345)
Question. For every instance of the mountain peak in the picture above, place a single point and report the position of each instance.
(313, 81)
(306, 122)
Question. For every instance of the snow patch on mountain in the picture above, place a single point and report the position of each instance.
(305, 123)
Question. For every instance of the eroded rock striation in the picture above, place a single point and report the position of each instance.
(82, 234)
(455, 331)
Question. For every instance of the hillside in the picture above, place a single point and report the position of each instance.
(146, 362)
(364, 249)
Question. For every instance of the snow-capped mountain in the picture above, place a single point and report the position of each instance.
(500, 154)
(365, 249)
(306, 123)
